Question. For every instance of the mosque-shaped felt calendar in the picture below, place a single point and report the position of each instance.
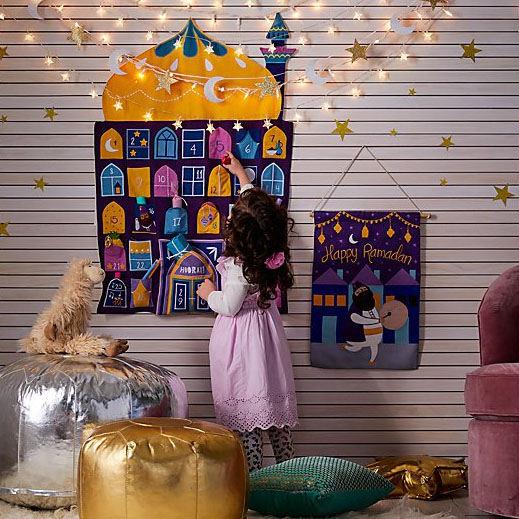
(163, 192)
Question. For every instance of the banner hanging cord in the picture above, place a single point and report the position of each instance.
(343, 174)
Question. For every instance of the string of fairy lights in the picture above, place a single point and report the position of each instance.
(426, 11)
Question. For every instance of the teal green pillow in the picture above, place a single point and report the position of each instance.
(315, 487)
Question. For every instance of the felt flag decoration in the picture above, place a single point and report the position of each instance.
(366, 290)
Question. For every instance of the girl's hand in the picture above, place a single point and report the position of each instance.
(206, 288)
(234, 166)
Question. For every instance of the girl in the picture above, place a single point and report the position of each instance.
(251, 372)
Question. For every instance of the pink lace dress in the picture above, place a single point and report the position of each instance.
(251, 371)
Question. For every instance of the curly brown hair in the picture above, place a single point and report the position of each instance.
(257, 229)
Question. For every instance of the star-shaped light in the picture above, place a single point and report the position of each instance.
(178, 123)
(65, 76)
(210, 127)
(3, 53)
(267, 124)
(358, 51)
(50, 113)
(470, 51)
(209, 49)
(447, 142)
(267, 87)
(342, 128)
(433, 3)
(3, 118)
(118, 105)
(40, 184)
(147, 117)
(443, 181)
(393, 132)
(503, 194)
(178, 44)
(412, 92)
(3, 228)
(164, 81)
(239, 51)
(78, 35)
(237, 126)
(272, 48)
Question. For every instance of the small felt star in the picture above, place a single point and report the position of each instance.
(3, 118)
(178, 44)
(164, 81)
(133, 153)
(40, 184)
(433, 3)
(3, 228)
(3, 53)
(447, 142)
(267, 124)
(50, 113)
(503, 194)
(342, 128)
(358, 51)
(443, 181)
(144, 142)
(210, 127)
(237, 126)
(136, 133)
(470, 51)
(393, 132)
(178, 123)
(267, 87)
(209, 49)
(78, 35)
(412, 91)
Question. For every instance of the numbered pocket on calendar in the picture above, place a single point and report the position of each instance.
(140, 255)
(141, 293)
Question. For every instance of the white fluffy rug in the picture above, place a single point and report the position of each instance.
(389, 509)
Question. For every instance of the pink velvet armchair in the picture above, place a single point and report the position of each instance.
(492, 399)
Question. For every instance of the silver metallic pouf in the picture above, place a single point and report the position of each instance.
(49, 404)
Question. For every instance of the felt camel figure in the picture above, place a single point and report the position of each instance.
(62, 326)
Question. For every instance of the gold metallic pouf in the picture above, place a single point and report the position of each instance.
(163, 468)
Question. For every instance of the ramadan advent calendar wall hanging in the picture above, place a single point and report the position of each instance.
(365, 288)
(163, 194)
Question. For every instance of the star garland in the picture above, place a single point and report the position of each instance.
(358, 51)
(267, 87)
(164, 82)
(78, 35)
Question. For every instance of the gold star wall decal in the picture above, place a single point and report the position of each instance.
(50, 113)
(237, 126)
(3, 118)
(3, 53)
(412, 91)
(447, 142)
(503, 194)
(78, 35)
(470, 51)
(393, 132)
(267, 87)
(3, 229)
(434, 3)
(164, 81)
(342, 128)
(40, 184)
(358, 51)
(443, 181)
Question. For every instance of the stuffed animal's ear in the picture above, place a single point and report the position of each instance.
(50, 331)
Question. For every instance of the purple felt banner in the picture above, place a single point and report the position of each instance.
(366, 290)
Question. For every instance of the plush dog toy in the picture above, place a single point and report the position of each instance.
(62, 327)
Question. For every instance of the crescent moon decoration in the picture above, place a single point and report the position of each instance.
(113, 61)
(313, 76)
(209, 89)
(398, 27)
(109, 147)
(352, 240)
(32, 7)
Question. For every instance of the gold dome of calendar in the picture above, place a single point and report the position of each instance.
(191, 76)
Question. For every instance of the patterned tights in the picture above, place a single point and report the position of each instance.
(280, 439)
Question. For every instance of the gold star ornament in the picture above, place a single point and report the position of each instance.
(443, 181)
(164, 81)
(342, 128)
(393, 132)
(50, 113)
(358, 51)
(40, 184)
(3, 53)
(470, 51)
(267, 87)
(3, 229)
(434, 3)
(3, 118)
(412, 91)
(503, 194)
(78, 35)
(447, 142)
